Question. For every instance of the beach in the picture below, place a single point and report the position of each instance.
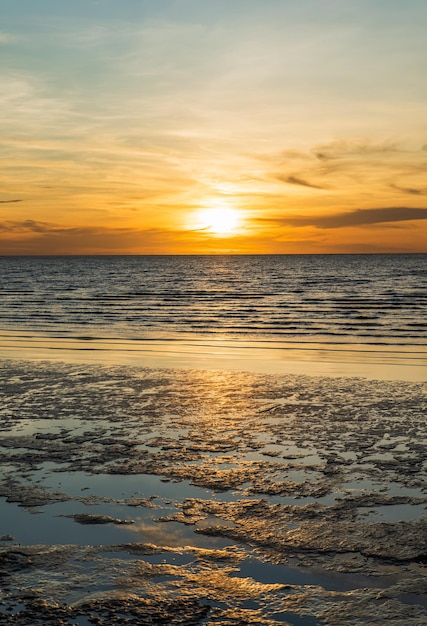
(175, 495)
(213, 440)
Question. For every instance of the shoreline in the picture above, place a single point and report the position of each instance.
(376, 362)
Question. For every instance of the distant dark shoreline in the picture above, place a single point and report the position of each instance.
(220, 254)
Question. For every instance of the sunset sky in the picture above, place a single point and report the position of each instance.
(206, 126)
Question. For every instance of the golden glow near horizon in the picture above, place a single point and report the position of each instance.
(220, 220)
(197, 127)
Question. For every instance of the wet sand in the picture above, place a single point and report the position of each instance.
(201, 496)
(380, 362)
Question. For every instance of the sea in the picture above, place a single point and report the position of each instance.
(368, 303)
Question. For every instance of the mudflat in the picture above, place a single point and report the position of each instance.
(170, 496)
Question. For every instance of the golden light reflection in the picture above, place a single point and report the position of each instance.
(160, 535)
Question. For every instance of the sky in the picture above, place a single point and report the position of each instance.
(213, 126)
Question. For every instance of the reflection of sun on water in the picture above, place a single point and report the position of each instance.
(220, 221)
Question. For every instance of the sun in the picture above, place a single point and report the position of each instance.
(219, 221)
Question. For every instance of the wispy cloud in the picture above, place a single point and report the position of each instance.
(10, 201)
(412, 191)
(28, 103)
(8, 38)
(295, 180)
(39, 237)
(346, 170)
(345, 148)
(25, 226)
(358, 217)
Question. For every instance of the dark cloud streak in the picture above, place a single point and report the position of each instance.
(409, 190)
(340, 149)
(294, 180)
(359, 217)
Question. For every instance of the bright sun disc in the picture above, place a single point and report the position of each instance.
(219, 221)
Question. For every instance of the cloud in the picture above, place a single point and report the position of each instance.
(25, 226)
(27, 100)
(36, 237)
(294, 180)
(10, 201)
(8, 38)
(409, 190)
(33, 226)
(340, 149)
(348, 167)
(358, 217)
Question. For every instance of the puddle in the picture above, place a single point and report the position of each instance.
(269, 573)
(394, 513)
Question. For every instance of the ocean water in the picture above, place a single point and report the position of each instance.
(369, 300)
(83, 439)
